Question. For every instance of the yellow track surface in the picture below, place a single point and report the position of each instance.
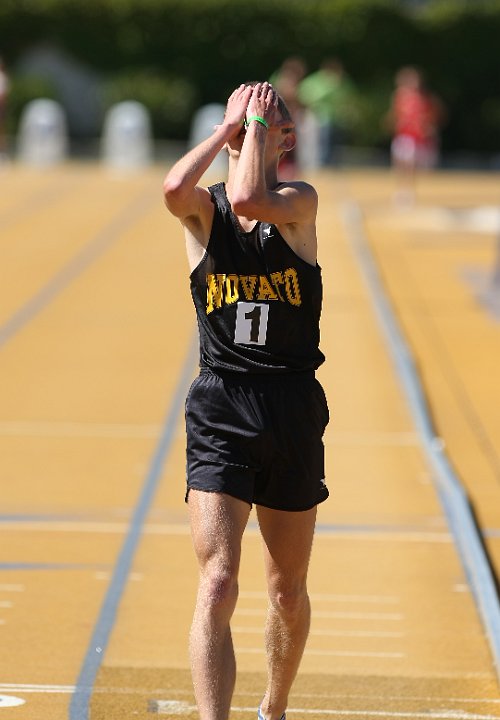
(96, 567)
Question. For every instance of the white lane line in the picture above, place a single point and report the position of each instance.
(171, 707)
(331, 653)
(430, 715)
(358, 633)
(335, 533)
(444, 714)
(330, 633)
(87, 526)
(179, 707)
(375, 439)
(50, 428)
(377, 599)
(390, 535)
(9, 587)
(257, 612)
(22, 428)
(320, 597)
(5, 605)
(22, 688)
(396, 698)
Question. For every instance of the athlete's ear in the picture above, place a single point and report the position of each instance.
(288, 142)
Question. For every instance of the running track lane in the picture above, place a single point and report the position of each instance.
(79, 706)
(453, 497)
(76, 265)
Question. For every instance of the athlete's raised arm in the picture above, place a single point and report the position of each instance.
(255, 192)
(182, 195)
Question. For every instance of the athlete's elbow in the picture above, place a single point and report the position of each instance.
(244, 205)
(172, 189)
(174, 195)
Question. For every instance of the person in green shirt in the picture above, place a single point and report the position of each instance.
(329, 94)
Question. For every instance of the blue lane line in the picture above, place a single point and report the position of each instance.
(74, 267)
(79, 707)
(453, 497)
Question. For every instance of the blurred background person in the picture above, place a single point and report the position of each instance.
(415, 118)
(4, 91)
(286, 81)
(329, 93)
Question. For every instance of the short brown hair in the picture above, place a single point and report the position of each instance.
(282, 107)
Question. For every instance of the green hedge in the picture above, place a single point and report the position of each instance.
(201, 49)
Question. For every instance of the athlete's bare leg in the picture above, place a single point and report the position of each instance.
(288, 538)
(217, 525)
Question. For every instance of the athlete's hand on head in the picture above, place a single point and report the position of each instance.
(263, 103)
(236, 107)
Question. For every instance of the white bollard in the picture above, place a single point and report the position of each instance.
(127, 139)
(308, 151)
(202, 126)
(43, 135)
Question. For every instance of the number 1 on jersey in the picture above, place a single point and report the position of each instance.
(251, 323)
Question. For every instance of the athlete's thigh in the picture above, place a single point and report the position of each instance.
(217, 525)
(288, 538)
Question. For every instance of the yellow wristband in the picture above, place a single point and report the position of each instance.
(259, 119)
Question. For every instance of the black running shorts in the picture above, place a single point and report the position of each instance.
(258, 438)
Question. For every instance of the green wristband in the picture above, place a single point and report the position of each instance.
(259, 119)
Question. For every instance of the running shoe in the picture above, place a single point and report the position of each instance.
(260, 716)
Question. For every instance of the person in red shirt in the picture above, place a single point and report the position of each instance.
(415, 118)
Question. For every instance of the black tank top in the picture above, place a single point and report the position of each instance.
(258, 304)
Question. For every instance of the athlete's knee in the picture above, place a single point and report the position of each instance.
(219, 589)
(289, 601)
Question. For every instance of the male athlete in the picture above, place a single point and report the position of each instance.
(255, 415)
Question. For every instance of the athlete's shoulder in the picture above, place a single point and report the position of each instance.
(298, 187)
(302, 196)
